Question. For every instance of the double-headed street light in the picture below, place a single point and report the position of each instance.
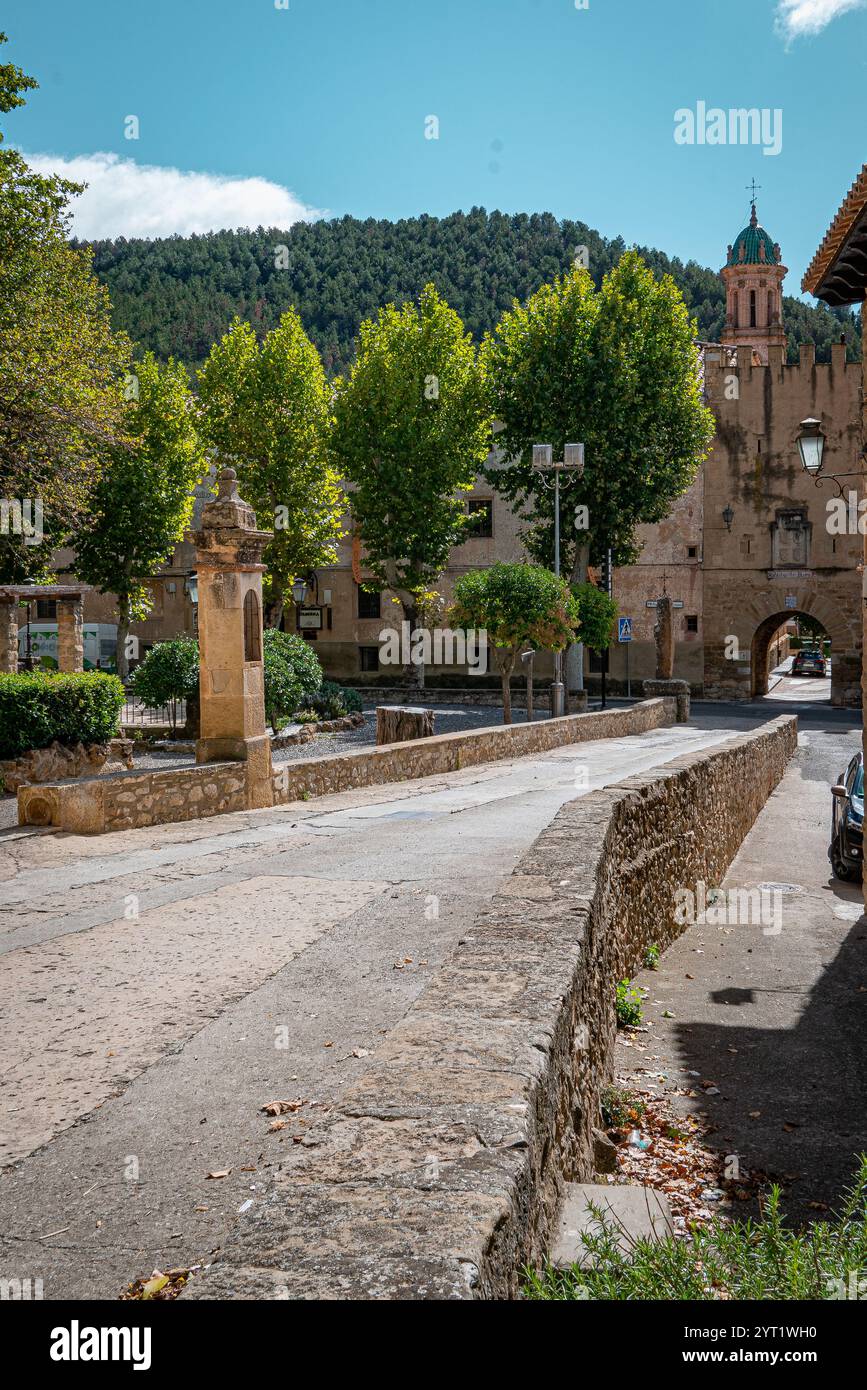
(572, 462)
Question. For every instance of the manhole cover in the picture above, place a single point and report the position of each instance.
(779, 888)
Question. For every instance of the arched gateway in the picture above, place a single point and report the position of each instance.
(740, 671)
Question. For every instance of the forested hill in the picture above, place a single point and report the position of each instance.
(179, 295)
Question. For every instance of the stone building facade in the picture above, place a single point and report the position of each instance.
(752, 544)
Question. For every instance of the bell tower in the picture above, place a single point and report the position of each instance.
(753, 276)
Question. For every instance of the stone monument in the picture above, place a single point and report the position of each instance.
(664, 684)
(231, 670)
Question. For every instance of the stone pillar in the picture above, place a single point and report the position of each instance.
(231, 671)
(664, 635)
(9, 635)
(70, 634)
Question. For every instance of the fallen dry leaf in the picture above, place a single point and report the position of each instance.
(284, 1107)
(220, 1173)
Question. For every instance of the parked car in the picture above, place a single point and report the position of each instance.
(808, 663)
(846, 851)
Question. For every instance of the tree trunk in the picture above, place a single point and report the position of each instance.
(506, 668)
(120, 656)
(575, 650)
(398, 723)
(413, 671)
(530, 689)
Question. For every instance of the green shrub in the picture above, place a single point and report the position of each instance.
(762, 1259)
(292, 674)
(169, 673)
(39, 707)
(651, 956)
(332, 701)
(628, 1005)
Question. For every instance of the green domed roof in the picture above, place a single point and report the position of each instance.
(752, 238)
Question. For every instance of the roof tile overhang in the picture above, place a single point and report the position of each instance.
(838, 271)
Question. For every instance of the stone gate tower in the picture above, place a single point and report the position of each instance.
(754, 275)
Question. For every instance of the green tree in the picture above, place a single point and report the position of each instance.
(412, 429)
(267, 413)
(168, 673)
(597, 615)
(61, 366)
(616, 369)
(143, 500)
(292, 670)
(519, 606)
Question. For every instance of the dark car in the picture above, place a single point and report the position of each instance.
(808, 663)
(846, 850)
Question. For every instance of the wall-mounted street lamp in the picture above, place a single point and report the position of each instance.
(192, 587)
(728, 516)
(811, 447)
(299, 591)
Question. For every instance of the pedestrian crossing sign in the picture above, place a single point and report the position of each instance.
(624, 629)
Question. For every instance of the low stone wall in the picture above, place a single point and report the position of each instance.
(129, 800)
(126, 801)
(429, 757)
(440, 1172)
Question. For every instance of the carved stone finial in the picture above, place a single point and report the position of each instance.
(227, 486)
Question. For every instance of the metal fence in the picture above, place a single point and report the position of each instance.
(136, 715)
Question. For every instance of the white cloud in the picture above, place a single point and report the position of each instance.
(799, 18)
(145, 200)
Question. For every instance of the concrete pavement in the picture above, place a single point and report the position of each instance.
(764, 1018)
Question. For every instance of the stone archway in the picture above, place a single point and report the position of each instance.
(840, 626)
(739, 630)
(759, 665)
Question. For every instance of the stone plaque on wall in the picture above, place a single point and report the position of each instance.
(790, 541)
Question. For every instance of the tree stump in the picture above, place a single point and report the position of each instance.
(399, 723)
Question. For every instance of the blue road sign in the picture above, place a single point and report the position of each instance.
(624, 629)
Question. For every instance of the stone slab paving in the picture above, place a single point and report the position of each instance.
(313, 925)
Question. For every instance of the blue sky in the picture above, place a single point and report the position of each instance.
(542, 106)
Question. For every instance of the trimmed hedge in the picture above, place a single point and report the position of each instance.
(37, 708)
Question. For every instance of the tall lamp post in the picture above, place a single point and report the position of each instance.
(571, 462)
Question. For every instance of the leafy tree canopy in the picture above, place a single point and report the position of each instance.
(142, 502)
(61, 366)
(518, 606)
(411, 432)
(266, 411)
(615, 369)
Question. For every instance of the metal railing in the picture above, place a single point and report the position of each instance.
(136, 715)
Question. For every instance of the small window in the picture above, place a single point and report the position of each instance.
(692, 622)
(369, 603)
(692, 552)
(752, 308)
(252, 628)
(368, 658)
(481, 515)
(46, 610)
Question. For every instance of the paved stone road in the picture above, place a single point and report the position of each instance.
(161, 985)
